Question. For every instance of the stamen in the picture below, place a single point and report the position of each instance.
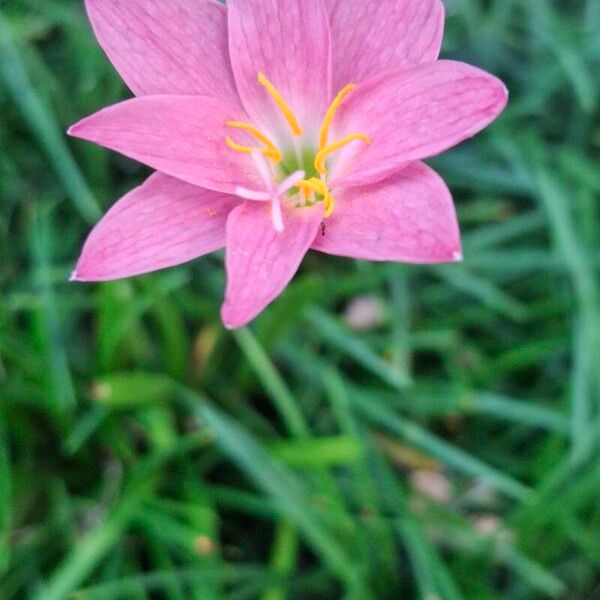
(317, 186)
(329, 206)
(327, 150)
(259, 135)
(283, 106)
(331, 112)
(269, 153)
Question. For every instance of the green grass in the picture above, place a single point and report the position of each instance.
(145, 452)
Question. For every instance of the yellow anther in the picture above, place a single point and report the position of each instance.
(313, 185)
(283, 106)
(318, 187)
(268, 152)
(331, 112)
(327, 150)
(329, 206)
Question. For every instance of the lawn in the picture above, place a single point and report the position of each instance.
(381, 431)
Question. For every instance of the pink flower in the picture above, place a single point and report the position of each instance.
(277, 126)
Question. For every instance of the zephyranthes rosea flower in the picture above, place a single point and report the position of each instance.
(277, 126)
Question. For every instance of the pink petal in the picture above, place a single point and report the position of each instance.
(181, 136)
(174, 47)
(409, 217)
(164, 222)
(260, 261)
(288, 41)
(413, 114)
(374, 36)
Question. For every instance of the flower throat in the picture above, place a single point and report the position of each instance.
(313, 162)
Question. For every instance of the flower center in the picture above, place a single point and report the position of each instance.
(313, 162)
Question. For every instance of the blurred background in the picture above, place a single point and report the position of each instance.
(382, 431)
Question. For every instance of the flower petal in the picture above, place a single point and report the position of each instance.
(409, 217)
(374, 36)
(174, 47)
(181, 136)
(288, 41)
(260, 261)
(164, 222)
(414, 114)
